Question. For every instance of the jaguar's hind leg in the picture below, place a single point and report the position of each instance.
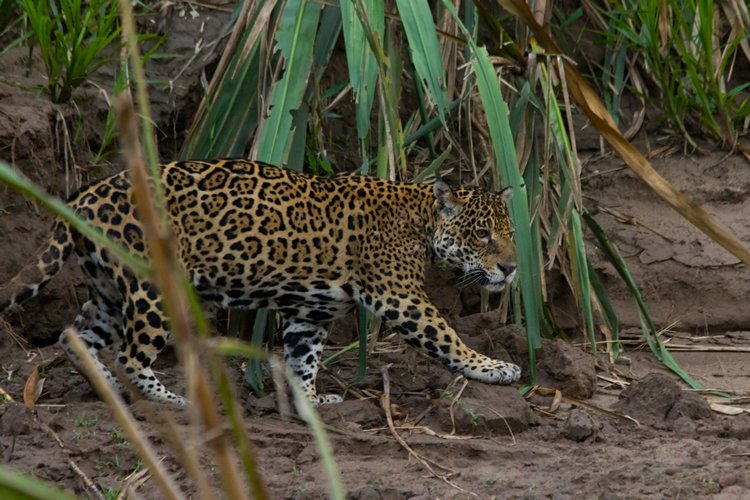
(303, 345)
(98, 325)
(146, 332)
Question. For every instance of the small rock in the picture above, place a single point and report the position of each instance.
(15, 420)
(657, 400)
(690, 405)
(487, 334)
(732, 493)
(262, 405)
(582, 426)
(737, 427)
(730, 479)
(441, 288)
(353, 414)
(342, 331)
(484, 410)
(565, 367)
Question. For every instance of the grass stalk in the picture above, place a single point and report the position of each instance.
(503, 148)
(234, 347)
(172, 283)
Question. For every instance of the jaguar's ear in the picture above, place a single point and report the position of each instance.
(506, 194)
(446, 201)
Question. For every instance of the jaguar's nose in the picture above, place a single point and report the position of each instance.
(507, 269)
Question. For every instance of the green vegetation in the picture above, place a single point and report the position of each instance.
(73, 38)
(688, 54)
(117, 435)
(86, 421)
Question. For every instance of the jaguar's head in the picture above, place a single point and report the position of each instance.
(474, 233)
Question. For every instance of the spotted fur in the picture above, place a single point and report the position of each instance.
(251, 235)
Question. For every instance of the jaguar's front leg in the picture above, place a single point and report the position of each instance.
(303, 346)
(418, 322)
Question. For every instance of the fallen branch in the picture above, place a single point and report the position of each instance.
(385, 403)
(93, 489)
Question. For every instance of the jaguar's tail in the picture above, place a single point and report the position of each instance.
(49, 261)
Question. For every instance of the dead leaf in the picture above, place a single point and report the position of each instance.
(727, 409)
(4, 396)
(33, 389)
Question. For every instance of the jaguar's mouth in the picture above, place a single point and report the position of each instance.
(495, 287)
(490, 282)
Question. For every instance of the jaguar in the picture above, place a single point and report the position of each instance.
(251, 235)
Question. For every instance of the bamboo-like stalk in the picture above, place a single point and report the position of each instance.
(170, 280)
(169, 276)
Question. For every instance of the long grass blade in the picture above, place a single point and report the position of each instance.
(579, 262)
(647, 324)
(254, 372)
(424, 49)
(294, 40)
(175, 289)
(228, 113)
(505, 157)
(19, 486)
(233, 347)
(328, 34)
(607, 311)
(124, 418)
(363, 70)
(393, 136)
(433, 167)
(299, 22)
(363, 328)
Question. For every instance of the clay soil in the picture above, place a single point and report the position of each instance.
(623, 430)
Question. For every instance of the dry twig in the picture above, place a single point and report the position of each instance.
(92, 488)
(385, 403)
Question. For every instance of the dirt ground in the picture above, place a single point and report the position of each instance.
(622, 430)
(482, 441)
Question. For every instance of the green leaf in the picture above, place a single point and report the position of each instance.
(254, 372)
(295, 39)
(579, 262)
(527, 249)
(647, 324)
(607, 311)
(425, 49)
(228, 114)
(363, 70)
(363, 328)
(432, 167)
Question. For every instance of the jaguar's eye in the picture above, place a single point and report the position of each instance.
(482, 234)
